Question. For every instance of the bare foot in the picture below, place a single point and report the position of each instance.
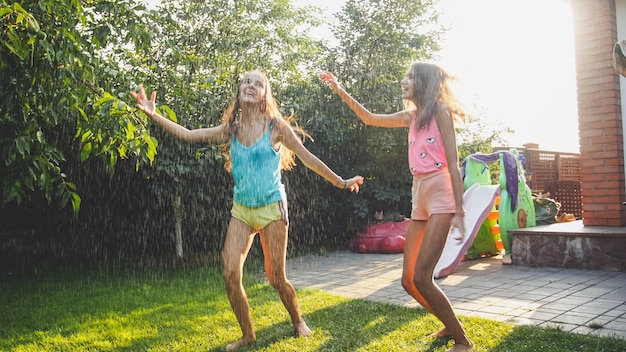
(461, 348)
(441, 333)
(302, 329)
(240, 343)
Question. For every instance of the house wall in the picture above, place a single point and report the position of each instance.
(620, 15)
(600, 113)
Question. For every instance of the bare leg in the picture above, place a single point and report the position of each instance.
(415, 235)
(428, 246)
(274, 242)
(236, 247)
(414, 238)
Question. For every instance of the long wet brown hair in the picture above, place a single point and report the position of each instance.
(432, 89)
(232, 116)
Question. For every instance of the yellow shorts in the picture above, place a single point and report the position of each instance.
(432, 193)
(260, 217)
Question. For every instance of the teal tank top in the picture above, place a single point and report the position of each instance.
(256, 172)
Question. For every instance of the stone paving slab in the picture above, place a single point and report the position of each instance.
(581, 301)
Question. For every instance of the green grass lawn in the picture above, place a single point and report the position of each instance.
(186, 309)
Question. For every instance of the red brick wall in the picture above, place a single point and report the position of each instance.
(599, 114)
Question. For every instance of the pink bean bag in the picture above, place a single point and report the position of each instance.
(386, 237)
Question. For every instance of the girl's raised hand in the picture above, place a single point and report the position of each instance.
(143, 104)
(353, 183)
(329, 78)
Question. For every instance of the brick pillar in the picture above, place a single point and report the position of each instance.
(599, 114)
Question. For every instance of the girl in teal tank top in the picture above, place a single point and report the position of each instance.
(258, 143)
(256, 171)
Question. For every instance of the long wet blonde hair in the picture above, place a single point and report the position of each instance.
(432, 89)
(232, 116)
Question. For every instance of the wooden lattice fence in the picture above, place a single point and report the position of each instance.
(558, 174)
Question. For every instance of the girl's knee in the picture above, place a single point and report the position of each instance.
(277, 281)
(407, 283)
(420, 279)
(231, 272)
(230, 275)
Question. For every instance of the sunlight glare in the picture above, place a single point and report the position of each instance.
(518, 58)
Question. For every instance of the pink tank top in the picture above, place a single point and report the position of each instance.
(426, 150)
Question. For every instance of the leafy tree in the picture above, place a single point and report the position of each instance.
(74, 64)
(378, 40)
(57, 85)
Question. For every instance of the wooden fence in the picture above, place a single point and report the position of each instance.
(558, 174)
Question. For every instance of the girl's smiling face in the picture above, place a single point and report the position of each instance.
(252, 88)
(407, 86)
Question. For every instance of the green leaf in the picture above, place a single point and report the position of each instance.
(15, 193)
(85, 151)
(4, 10)
(40, 137)
(130, 131)
(17, 7)
(76, 201)
(85, 136)
(169, 113)
(82, 113)
(151, 149)
(23, 145)
(122, 151)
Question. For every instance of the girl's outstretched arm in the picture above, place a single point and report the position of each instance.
(398, 119)
(288, 138)
(213, 135)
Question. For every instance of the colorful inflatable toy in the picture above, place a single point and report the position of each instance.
(486, 241)
(516, 209)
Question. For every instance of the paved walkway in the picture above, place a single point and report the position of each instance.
(581, 301)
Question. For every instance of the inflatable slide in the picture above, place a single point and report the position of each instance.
(478, 201)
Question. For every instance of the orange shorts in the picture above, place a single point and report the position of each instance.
(432, 193)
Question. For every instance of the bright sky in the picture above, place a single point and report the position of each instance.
(517, 58)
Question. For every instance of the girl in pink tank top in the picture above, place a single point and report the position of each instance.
(426, 150)
(430, 111)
